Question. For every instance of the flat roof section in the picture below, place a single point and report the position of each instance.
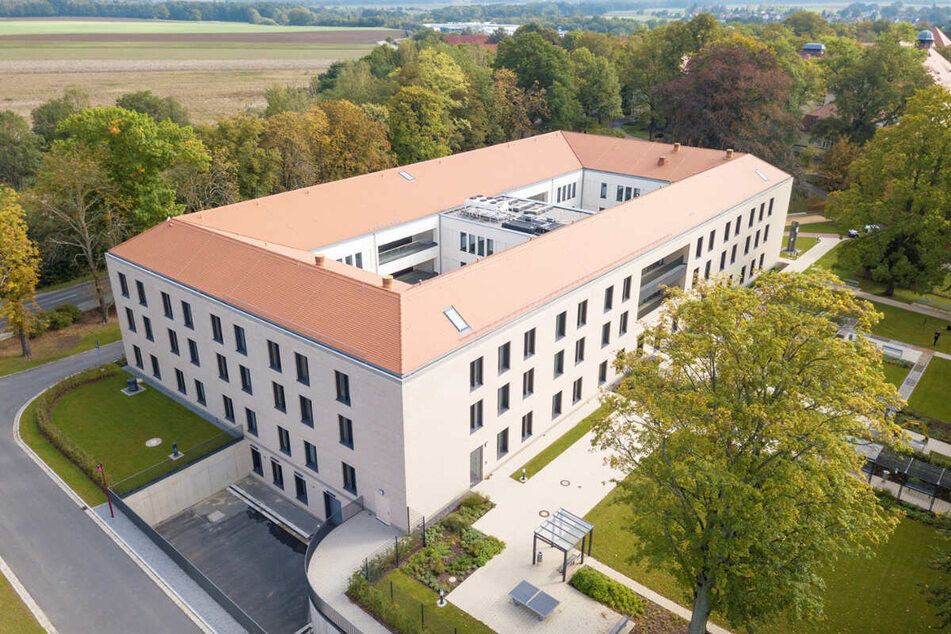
(523, 215)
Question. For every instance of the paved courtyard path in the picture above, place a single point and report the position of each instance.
(79, 577)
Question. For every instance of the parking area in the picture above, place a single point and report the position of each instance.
(258, 564)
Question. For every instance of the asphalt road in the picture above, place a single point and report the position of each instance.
(80, 578)
(82, 295)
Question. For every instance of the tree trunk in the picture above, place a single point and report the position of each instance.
(101, 298)
(890, 287)
(25, 344)
(701, 609)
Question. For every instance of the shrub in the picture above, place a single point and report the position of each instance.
(605, 590)
(39, 324)
(69, 309)
(455, 523)
(58, 320)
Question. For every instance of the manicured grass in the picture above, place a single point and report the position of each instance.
(931, 396)
(895, 373)
(911, 327)
(51, 346)
(556, 448)
(15, 618)
(409, 593)
(113, 428)
(829, 226)
(37, 27)
(879, 594)
(803, 243)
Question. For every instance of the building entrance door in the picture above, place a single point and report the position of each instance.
(475, 466)
(332, 508)
(382, 507)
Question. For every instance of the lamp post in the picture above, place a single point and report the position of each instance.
(105, 489)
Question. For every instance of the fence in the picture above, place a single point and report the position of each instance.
(188, 567)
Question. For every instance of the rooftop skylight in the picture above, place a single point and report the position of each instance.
(761, 175)
(453, 315)
(407, 176)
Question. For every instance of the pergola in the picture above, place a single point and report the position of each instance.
(908, 472)
(564, 530)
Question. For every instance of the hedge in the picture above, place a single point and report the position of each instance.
(53, 434)
(605, 590)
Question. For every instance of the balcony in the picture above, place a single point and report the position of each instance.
(404, 250)
(654, 271)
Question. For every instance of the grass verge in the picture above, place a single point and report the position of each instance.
(803, 243)
(15, 617)
(828, 226)
(931, 394)
(408, 595)
(53, 345)
(564, 441)
(899, 565)
(895, 371)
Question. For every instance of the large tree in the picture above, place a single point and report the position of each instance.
(159, 108)
(295, 138)
(136, 153)
(48, 115)
(737, 443)
(420, 126)
(353, 144)
(76, 201)
(902, 182)
(240, 138)
(733, 96)
(19, 269)
(596, 85)
(19, 150)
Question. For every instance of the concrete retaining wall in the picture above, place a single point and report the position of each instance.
(172, 495)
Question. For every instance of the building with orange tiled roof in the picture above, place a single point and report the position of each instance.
(401, 335)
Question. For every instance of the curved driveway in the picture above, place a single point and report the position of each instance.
(80, 578)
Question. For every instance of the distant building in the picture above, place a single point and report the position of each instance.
(483, 28)
(478, 40)
(812, 49)
(925, 39)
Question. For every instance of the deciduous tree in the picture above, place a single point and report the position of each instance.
(420, 126)
(295, 137)
(902, 182)
(19, 150)
(353, 143)
(737, 443)
(241, 139)
(159, 108)
(19, 269)
(596, 85)
(47, 116)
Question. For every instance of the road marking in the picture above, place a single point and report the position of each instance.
(25, 596)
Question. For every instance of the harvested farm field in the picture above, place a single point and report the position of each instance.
(213, 68)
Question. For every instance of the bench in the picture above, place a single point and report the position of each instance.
(934, 303)
(891, 351)
(568, 562)
(853, 283)
(541, 603)
(620, 625)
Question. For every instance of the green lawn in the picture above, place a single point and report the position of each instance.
(911, 327)
(829, 226)
(803, 243)
(863, 595)
(46, 348)
(38, 27)
(931, 394)
(15, 618)
(564, 441)
(895, 373)
(408, 594)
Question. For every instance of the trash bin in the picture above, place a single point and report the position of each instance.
(132, 385)
(538, 557)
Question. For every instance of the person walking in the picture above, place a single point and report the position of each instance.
(937, 335)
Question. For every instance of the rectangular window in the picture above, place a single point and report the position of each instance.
(503, 396)
(733, 254)
(173, 341)
(187, 315)
(528, 383)
(582, 313)
(148, 328)
(604, 190)
(561, 321)
(252, 421)
(502, 443)
(726, 232)
(622, 324)
(574, 189)
(156, 371)
(303, 368)
(180, 381)
(699, 246)
(761, 259)
(193, 352)
(137, 354)
(620, 193)
(358, 260)
(710, 240)
(765, 233)
(130, 319)
(240, 343)
(559, 363)
(200, 392)
(722, 260)
(626, 289)
(123, 285)
(529, 343)
(770, 212)
(256, 462)
(472, 244)
(608, 298)
(300, 489)
(167, 305)
(481, 248)
(505, 360)
(526, 426)
(489, 246)
(605, 334)
(739, 221)
(349, 478)
(628, 192)
(245, 379)
(756, 239)
(743, 274)
(475, 373)
(284, 440)
(274, 356)
(277, 474)
(556, 405)
(576, 391)
(752, 216)
(216, 333)
(229, 408)
(140, 290)
(475, 416)
(603, 373)
(462, 242)
(222, 368)
(306, 411)
(579, 350)
(746, 249)
(310, 456)
(706, 270)
(342, 382)
(762, 208)
(280, 403)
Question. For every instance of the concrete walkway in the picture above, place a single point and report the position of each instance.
(810, 257)
(915, 308)
(914, 375)
(576, 480)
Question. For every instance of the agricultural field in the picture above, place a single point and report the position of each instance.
(212, 68)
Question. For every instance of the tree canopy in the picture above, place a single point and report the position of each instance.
(19, 267)
(20, 150)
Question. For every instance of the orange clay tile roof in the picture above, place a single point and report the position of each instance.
(403, 328)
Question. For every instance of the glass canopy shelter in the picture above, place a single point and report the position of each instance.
(564, 530)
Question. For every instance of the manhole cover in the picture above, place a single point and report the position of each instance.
(215, 516)
(452, 579)
(153, 442)
(543, 513)
(565, 483)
